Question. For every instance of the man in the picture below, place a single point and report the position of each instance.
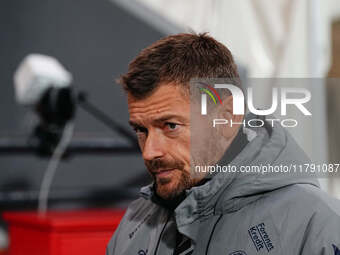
(183, 212)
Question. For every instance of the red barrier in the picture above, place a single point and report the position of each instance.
(85, 232)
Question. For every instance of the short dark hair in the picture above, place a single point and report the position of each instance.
(178, 58)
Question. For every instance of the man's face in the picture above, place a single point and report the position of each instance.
(162, 124)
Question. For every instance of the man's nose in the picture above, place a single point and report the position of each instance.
(153, 147)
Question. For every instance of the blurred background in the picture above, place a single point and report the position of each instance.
(95, 41)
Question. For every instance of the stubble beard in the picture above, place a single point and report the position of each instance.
(173, 187)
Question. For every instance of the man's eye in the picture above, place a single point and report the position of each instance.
(139, 130)
(171, 126)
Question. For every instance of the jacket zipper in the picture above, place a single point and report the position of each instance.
(160, 236)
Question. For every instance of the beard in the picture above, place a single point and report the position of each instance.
(172, 186)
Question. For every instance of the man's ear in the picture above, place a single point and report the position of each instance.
(226, 112)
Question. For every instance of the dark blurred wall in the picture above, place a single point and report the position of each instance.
(94, 40)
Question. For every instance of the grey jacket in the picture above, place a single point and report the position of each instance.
(240, 214)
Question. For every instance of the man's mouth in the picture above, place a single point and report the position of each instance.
(163, 172)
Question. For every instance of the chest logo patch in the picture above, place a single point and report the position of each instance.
(260, 237)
